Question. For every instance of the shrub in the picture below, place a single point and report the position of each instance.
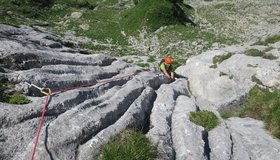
(151, 59)
(129, 145)
(220, 58)
(17, 98)
(258, 53)
(254, 53)
(206, 119)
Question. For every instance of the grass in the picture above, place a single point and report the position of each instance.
(178, 62)
(153, 14)
(254, 53)
(263, 105)
(206, 119)
(143, 64)
(127, 146)
(16, 98)
(258, 53)
(151, 59)
(272, 39)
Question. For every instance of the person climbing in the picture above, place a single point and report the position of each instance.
(168, 70)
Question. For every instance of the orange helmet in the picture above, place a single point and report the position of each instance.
(168, 60)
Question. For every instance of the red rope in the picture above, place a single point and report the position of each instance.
(91, 84)
(40, 126)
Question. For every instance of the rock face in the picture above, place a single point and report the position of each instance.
(95, 97)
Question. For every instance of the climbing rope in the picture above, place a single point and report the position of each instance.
(42, 90)
(48, 92)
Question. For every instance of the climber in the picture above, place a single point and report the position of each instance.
(168, 70)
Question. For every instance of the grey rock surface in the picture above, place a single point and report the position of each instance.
(220, 142)
(160, 132)
(187, 137)
(90, 95)
(135, 117)
(251, 140)
(231, 79)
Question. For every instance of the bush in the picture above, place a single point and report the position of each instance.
(254, 53)
(17, 98)
(220, 58)
(206, 119)
(151, 59)
(127, 146)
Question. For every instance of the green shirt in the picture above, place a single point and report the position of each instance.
(164, 67)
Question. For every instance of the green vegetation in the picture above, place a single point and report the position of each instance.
(254, 53)
(151, 59)
(220, 58)
(178, 62)
(268, 49)
(127, 146)
(262, 105)
(268, 40)
(143, 64)
(226, 115)
(256, 80)
(258, 53)
(94, 47)
(153, 14)
(223, 6)
(206, 119)
(16, 98)
(190, 33)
